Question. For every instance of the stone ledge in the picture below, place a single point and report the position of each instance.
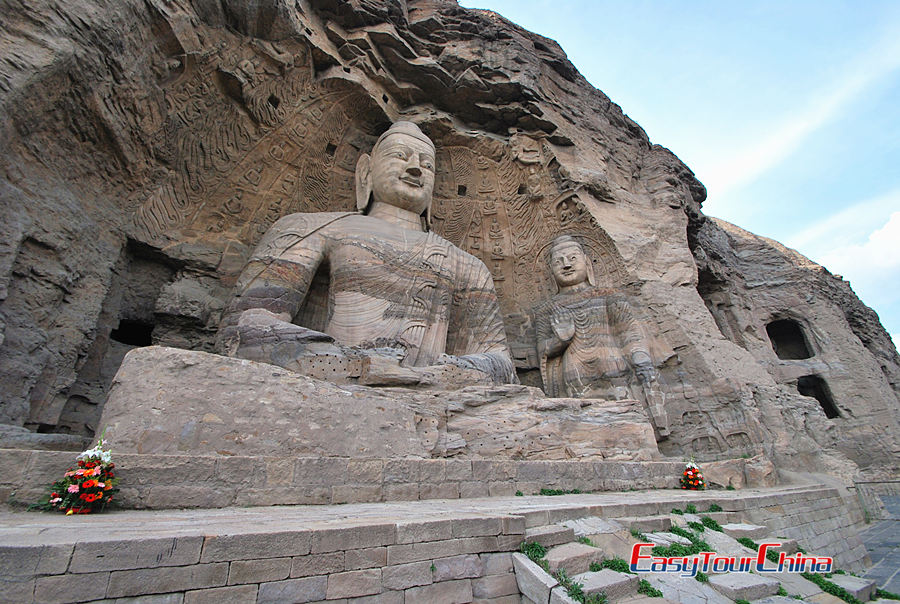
(197, 481)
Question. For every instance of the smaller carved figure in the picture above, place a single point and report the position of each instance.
(588, 340)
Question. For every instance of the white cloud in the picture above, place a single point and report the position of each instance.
(851, 225)
(878, 62)
(862, 244)
(879, 253)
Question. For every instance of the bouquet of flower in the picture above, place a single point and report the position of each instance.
(85, 488)
(692, 478)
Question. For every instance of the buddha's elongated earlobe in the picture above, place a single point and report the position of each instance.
(363, 181)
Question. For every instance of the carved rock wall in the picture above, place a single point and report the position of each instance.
(147, 146)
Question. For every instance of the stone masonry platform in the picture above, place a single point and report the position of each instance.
(213, 481)
(424, 551)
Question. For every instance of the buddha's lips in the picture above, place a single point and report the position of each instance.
(412, 181)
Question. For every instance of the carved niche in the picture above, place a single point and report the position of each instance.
(250, 136)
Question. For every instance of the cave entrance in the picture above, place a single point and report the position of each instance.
(788, 340)
(815, 387)
(133, 333)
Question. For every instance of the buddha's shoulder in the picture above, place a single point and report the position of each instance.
(305, 222)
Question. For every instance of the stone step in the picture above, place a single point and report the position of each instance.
(666, 539)
(614, 584)
(685, 590)
(858, 587)
(534, 584)
(575, 558)
(646, 523)
(559, 595)
(788, 546)
(753, 531)
(550, 535)
(720, 517)
(614, 545)
(585, 527)
(642, 599)
(744, 586)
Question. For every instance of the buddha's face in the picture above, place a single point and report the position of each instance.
(569, 265)
(403, 172)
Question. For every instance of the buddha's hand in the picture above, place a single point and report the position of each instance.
(563, 326)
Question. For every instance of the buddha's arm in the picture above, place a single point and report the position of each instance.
(476, 335)
(630, 337)
(273, 285)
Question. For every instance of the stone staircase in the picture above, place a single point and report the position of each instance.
(576, 549)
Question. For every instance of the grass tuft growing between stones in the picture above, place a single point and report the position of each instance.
(648, 590)
(536, 553)
(829, 587)
(576, 590)
(711, 524)
(552, 492)
(617, 564)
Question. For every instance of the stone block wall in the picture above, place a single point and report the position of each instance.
(870, 494)
(825, 522)
(182, 481)
(458, 559)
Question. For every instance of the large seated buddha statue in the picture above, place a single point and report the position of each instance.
(373, 289)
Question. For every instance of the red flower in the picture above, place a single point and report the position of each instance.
(87, 484)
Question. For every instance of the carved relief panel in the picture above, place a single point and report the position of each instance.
(250, 137)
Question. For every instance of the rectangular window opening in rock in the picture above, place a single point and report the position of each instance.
(788, 340)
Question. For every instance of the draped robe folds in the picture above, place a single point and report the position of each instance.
(606, 336)
(369, 283)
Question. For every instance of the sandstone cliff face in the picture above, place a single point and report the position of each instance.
(147, 146)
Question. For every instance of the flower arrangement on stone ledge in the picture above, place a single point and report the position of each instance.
(85, 488)
(692, 477)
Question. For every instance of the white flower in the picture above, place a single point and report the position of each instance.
(97, 453)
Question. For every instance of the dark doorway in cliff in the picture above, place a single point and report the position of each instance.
(133, 333)
(815, 387)
(788, 340)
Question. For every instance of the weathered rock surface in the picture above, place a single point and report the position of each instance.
(145, 147)
(173, 401)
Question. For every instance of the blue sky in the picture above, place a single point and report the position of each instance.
(788, 112)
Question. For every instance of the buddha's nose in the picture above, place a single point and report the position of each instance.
(412, 166)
